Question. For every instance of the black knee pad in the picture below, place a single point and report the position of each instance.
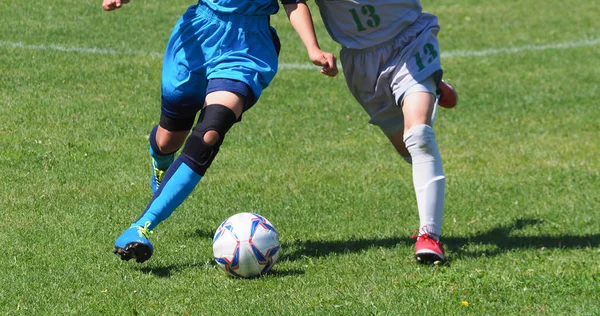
(213, 117)
(176, 125)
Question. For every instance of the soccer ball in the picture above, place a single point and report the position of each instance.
(246, 245)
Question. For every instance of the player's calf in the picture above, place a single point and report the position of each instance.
(162, 161)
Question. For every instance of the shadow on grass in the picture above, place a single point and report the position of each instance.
(314, 249)
(310, 248)
(204, 233)
(455, 246)
(503, 242)
(169, 270)
(166, 271)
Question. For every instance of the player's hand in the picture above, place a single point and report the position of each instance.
(110, 5)
(327, 61)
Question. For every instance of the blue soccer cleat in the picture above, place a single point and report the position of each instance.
(134, 244)
(158, 174)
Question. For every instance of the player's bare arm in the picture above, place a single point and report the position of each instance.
(301, 19)
(110, 5)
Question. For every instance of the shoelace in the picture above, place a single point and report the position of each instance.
(160, 175)
(423, 236)
(426, 237)
(423, 232)
(145, 231)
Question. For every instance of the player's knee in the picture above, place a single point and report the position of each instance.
(418, 136)
(211, 137)
(165, 145)
(172, 133)
(421, 144)
(207, 136)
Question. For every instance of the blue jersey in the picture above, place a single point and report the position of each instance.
(244, 7)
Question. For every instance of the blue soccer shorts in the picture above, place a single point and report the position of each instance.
(210, 51)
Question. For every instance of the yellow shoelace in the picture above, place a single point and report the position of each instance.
(145, 231)
(160, 175)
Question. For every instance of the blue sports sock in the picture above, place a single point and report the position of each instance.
(179, 182)
(161, 160)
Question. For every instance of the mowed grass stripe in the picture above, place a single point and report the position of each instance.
(448, 54)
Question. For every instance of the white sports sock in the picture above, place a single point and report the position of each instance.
(428, 178)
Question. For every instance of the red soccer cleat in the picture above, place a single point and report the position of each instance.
(428, 250)
(448, 96)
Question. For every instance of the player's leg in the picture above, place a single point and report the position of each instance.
(418, 140)
(134, 243)
(201, 147)
(382, 106)
(164, 143)
(183, 175)
(229, 92)
(182, 96)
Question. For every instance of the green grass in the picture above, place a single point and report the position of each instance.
(520, 155)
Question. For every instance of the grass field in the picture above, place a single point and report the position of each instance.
(79, 92)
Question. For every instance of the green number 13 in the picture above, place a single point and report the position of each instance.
(369, 11)
(428, 50)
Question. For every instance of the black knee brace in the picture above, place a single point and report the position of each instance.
(213, 117)
(176, 125)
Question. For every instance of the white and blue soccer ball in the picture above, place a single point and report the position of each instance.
(246, 245)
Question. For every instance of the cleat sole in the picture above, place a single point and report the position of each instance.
(135, 250)
(428, 258)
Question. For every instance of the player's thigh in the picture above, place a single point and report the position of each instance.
(418, 103)
(368, 78)
(183, 82)
(251, 59)
(232, 100)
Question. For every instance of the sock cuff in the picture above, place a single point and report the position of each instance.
(154, 150)
(419, 131)
(197, 168)
(421, 144)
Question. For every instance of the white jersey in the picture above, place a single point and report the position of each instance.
(361, 24)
